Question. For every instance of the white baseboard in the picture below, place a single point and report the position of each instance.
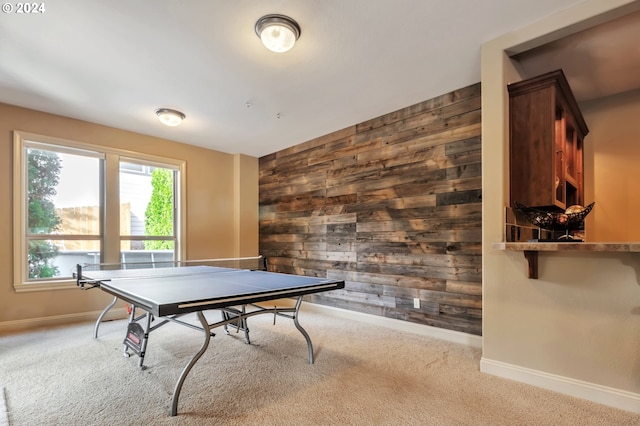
(612, 397)
(399, 325)
(57, 320)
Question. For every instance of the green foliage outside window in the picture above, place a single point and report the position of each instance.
(43, 177)
(159, 213)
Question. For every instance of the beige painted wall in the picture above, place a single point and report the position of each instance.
(221, 209)
(613, 146)
(246, 206)
(577, 328)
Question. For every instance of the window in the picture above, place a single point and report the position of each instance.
(63, 200)
(66, 211)
(147, 212)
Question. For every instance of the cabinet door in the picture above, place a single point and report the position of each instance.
(559, 158)
(573, 165)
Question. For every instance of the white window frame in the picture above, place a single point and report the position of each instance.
(147, 164)
(111, 209)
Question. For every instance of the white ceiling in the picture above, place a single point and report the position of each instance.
(114, 62)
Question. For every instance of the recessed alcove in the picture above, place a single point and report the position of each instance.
(601, 64)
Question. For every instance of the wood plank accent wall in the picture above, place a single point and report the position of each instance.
(392, 206)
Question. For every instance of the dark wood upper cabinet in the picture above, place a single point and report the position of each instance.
(546, 137)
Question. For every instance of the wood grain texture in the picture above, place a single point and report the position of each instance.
(393, 206)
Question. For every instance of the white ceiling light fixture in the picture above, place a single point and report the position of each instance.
(278, 32)
(170, 117)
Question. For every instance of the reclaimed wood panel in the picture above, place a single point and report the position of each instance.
(392, 206)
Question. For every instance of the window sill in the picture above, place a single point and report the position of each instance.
(63, 284)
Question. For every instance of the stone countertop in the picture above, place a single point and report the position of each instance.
(531, 250)
(630, 247)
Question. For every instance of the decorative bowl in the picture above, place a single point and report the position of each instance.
(554, 221)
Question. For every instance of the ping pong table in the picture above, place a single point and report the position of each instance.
(170, 292)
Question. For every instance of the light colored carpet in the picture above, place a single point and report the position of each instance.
(363, 375)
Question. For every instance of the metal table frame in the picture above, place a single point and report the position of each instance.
(235, 313)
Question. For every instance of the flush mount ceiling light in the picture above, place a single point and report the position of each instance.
(170, 117)
(277, 32)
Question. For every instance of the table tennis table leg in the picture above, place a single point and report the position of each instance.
(143, 347)
(241, 324)
(187, 368)
(104, 312)
(132, 318)
(302, 330)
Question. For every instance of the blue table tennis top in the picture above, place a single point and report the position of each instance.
(169, 291)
